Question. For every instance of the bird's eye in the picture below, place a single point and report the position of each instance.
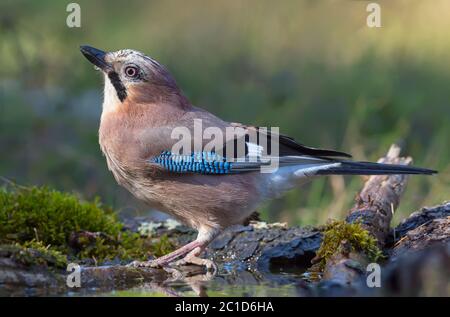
(132, 71)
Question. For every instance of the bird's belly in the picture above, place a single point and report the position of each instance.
(200, 200)
(197, 200)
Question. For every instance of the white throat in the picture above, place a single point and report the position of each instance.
(110, 100)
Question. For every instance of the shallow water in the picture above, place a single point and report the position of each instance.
(229, 283)
(245, 285)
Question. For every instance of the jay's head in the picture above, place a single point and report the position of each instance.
(133, 77)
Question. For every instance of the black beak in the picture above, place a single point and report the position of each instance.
(96, 57)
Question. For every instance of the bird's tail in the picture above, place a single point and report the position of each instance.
(369, 168)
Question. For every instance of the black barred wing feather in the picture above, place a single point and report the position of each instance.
(288, 146)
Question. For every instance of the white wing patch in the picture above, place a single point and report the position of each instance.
(254, 150)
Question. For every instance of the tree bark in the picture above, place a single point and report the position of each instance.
(374, 208)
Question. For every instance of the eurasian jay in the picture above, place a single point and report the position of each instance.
(207, 189)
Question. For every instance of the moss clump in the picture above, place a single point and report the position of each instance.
(34, 253)
(46, 220)
(359, 239)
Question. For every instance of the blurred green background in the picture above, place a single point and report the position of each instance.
(313, 68)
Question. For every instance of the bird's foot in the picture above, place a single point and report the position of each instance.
(210, 266)
(191, 251)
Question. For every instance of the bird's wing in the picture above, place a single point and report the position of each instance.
(207, 162)
(257, 153)
(295, 157)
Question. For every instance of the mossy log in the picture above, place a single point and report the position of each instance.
(379, 198)
(373, 211)
(416, 253)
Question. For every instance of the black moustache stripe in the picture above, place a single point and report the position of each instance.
(118, 85)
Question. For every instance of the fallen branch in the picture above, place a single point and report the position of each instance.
(379, 198)
(374, 208)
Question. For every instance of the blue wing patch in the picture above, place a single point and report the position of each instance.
(197, 162)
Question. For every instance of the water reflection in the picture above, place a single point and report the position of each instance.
(238, 283)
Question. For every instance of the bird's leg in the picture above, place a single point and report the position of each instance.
(190, 251)
(205, 236)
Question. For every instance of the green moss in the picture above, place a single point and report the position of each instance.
(359, 239)
(53, 223)
(34, 253)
